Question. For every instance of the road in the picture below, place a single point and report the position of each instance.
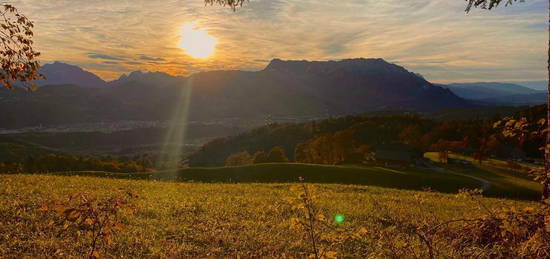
(484, 183)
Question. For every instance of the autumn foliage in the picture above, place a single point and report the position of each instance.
(17, 55)
(93, 223)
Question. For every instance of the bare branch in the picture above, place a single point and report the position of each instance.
(488, 4)
(231, 3)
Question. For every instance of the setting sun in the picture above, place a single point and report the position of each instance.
(197, 42)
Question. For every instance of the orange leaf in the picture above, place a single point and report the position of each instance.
(60, 209)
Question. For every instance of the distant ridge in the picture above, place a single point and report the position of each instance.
(150, 78)
(59, 73)
(292, 89)
(498, 93)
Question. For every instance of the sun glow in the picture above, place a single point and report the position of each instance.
(197, 42)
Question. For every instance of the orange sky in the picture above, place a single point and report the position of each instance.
(432, 37)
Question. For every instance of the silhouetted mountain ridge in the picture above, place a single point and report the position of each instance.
(496, 93)
(59, 73)
(283, 88)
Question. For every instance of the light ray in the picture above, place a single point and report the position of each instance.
(170, 158)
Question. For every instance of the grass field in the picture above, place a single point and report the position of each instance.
(504, 184)
(198, 220)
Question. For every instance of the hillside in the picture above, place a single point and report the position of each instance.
(518, 99)
(247, 220)
(502, 182)
(342, 137)
(292, 89)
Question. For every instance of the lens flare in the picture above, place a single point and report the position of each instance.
(339, 218)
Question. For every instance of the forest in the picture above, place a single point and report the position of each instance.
(351, 139)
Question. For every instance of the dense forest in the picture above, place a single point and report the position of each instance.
(353, 138)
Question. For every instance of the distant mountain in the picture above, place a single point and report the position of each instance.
(319, 87)
(493, 93)
(148, 78)
(284, 88)
(478, 91)
(536, 85)
(59, 73)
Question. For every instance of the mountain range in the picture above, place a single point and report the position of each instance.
(498, 93)
(284, 88)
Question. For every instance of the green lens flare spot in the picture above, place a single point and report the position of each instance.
(339, 219)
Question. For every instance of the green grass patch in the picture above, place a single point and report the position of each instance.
(505, 182)
(409, 178)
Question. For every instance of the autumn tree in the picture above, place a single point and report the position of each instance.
(238, 159)
(521, 130)
(277, 155)
(490, 4)
(259, 157)
(300, 153)
(17, 56)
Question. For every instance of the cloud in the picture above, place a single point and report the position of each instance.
(103, 56)
(433, 37)
(150, 58)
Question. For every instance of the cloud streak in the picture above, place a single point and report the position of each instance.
(103, 56)
(432, 37)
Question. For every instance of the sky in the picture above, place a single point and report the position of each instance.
(435, 38)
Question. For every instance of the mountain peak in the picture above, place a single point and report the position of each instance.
(59, 73)
(361, 65)
(148, 78)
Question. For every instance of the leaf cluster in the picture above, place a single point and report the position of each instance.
(17, 56)
(84, 215)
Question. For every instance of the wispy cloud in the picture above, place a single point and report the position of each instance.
(433, 37)
(103, 56)
(151, 59)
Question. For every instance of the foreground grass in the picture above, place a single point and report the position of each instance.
(176, 220)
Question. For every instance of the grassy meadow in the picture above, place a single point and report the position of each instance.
(504, 183)
(199, 220)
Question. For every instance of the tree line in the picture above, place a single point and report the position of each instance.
(353, 139)
(63, 163)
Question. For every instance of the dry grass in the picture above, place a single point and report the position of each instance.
(177, 220)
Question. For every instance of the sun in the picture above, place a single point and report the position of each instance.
(197, 42)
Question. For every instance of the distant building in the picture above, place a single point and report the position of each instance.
(397, 155)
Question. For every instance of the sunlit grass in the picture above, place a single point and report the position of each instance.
(210, 220)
